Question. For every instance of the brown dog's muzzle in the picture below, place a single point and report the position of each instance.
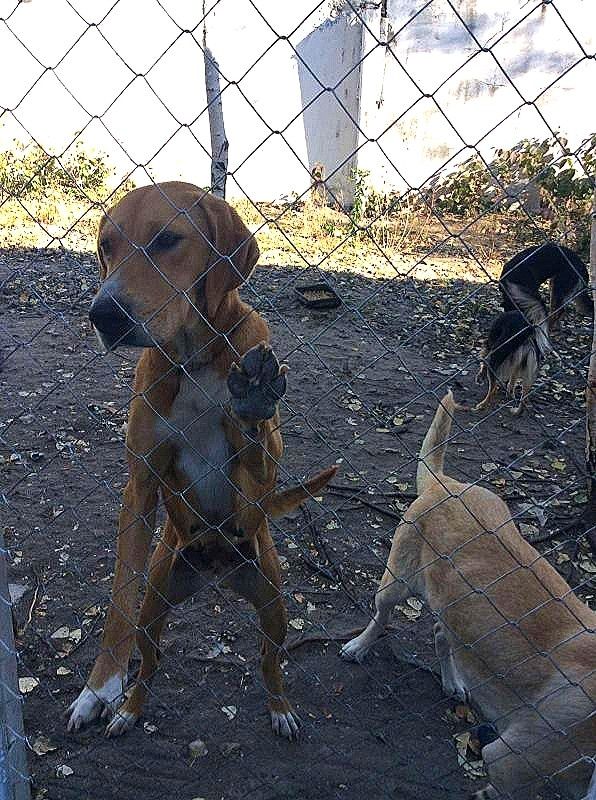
(115, 322)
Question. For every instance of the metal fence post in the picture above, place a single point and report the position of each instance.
(14, 774)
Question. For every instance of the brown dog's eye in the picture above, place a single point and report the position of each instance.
(165, 240)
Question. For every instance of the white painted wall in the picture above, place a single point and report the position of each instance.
(476, 98)
(133, 84)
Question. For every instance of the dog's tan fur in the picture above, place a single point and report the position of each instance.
(183, 298)
(511, 635)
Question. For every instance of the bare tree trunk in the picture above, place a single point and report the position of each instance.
(591, 396)
(219, 141)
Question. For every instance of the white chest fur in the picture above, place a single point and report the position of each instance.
(203, 452)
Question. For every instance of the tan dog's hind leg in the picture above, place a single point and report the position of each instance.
(531, 755)
(151, 621)
(453, 685)
(391, 590)
(508, 769)
(106, 684)
(260, 584)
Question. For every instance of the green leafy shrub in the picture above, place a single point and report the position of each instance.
(560, 180)
(27, 172)
(358, 179)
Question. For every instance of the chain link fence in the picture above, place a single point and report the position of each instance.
(388, 160)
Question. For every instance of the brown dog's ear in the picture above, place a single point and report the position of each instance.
(234, 252)
(102, 264)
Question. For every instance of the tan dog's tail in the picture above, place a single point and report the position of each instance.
(432, 452)
(283, 502)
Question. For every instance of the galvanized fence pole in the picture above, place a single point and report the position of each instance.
(14, 774)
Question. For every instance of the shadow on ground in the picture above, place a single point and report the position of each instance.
(364, 382)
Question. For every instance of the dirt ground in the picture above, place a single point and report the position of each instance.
(364, 382)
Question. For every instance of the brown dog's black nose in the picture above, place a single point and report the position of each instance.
(116, 323)
(111, 316)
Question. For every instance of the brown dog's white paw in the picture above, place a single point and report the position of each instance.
(121, 722)
(257, 384)
(286, 724)
(93, 703)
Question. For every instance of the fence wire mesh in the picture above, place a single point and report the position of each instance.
(388, 160)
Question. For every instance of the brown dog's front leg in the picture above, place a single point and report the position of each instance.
(105, 686)
(256, 387)
(154, 610)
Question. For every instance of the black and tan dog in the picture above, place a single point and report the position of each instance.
(512, 355)
(511, 637)
(203, 433)
(519, 339)
(526, 272)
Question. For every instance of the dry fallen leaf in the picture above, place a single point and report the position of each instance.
(461, 743)
(217, 650)
(528, 530)
(63, 771)
(414, 603)
(473, 768)
(229, 711)
(411, 613)
(27, 685)
(42, 745)
(61, 633)
(588, 566)
(465, 713)
(198, 749)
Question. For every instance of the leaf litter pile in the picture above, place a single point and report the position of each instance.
(365, 380)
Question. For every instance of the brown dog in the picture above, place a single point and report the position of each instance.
(511, 637)
(203, 432)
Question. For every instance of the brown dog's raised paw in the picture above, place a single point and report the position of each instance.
(257, 385)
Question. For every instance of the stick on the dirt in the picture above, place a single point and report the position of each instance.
(14, 775)
(344, 636)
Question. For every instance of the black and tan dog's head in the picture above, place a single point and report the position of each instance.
(170, 256)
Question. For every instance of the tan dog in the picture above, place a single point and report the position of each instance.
(510, 635)
(203, 433)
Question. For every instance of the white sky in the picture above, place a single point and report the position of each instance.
(98, 77)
